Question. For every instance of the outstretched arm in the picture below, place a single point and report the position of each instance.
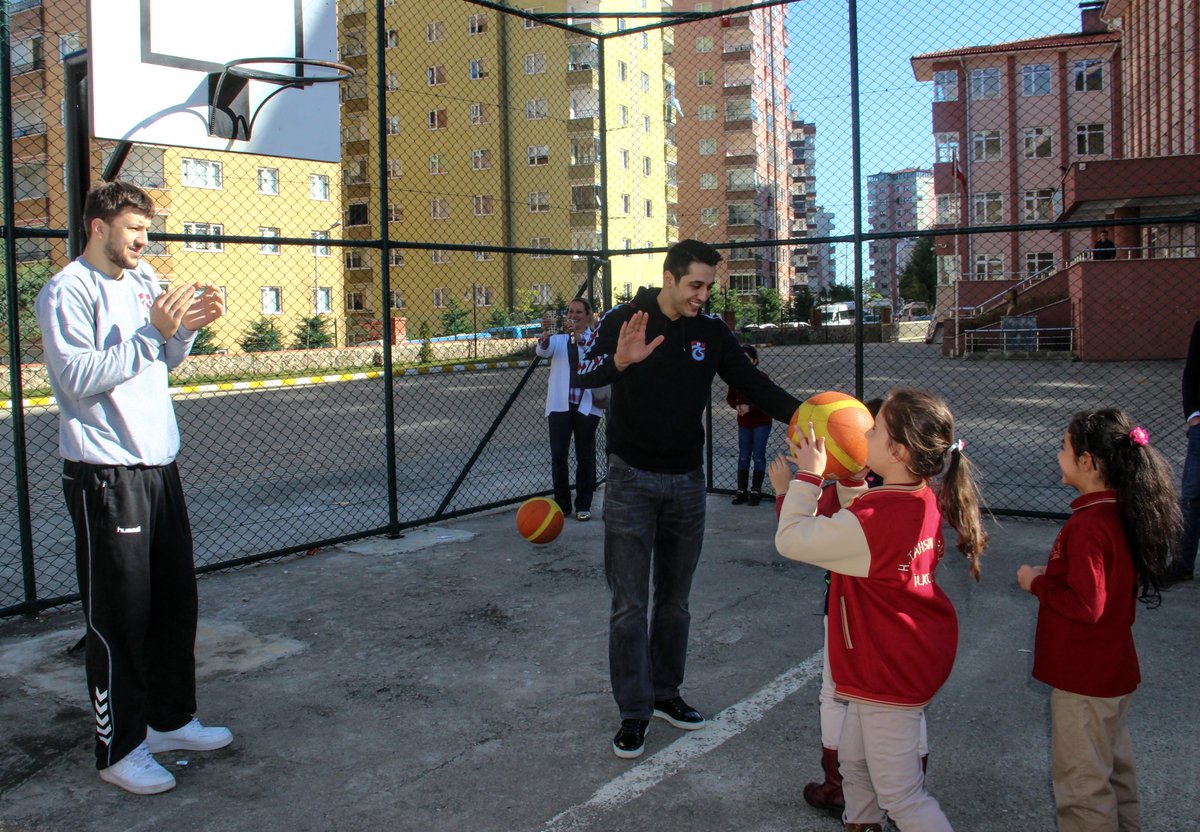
(632, 347)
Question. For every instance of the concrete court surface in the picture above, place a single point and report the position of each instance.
(456, 679)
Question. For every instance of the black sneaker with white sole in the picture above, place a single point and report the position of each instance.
(630, 741)
(679, 713)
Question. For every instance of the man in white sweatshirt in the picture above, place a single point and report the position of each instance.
(111, 334)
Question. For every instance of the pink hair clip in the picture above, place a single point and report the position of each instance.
(1139, 436)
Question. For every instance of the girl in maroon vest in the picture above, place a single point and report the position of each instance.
(1110, 554)
(892, 630)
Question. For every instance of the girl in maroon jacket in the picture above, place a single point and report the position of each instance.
(1111, 553)
(754, 429)
(893, 631)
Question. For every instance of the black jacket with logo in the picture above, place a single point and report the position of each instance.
(655, 420)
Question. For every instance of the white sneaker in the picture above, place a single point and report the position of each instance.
(138, 773)
(191, 737)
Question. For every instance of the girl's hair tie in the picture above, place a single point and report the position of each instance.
(957, 446)
(1139, 436)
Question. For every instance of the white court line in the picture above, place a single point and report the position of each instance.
(724, 726)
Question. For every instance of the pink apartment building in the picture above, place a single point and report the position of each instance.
(899, 200)
(732, 140)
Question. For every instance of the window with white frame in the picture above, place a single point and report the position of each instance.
(355, 302)
(439, 209)
(475, 69)
(708, 181)
(68, 42)
(435, 32)
(539, 202)
(212, 229)
(1089, 139)
(268, 181)
(395, 257)
(482, 205)
(622, 71)
(437, 164)
(201, 173)
(624, 115)
(1038, 261)
(949, 269)
(435, 75)
(391, 39)
(395, 212)
(354, 260)
(947, 146)
(483, 294)
(477, 24)
(320, 249)
(268, 248)
(706, 112)
(437, 119)
(985, 83)
(318, 186)
(31, 180)
(270, 300)
(625, 159)
(535, 108)
(585, 198)
(740, 109)
(1088, 75)
(543, 293)
(705, 77)
(439, 256)
(626, 203)
(483, 255)
(392, 82)
(355, 129)
(392, 125)
(396, 299)
(704, 43)
(322, 300)
(646, 166)
(477, 113)
(441, 297)
(742, 179)
(537, 155)
(1035, 80)
(481, 159)
(708, 147)
(648, 208)
(537, 243)
(1038, 142)
(742, 213)
(357, 214)
(645, 124)
(394, 168)
(1039, 205)
(709, 216)
(945, 85)
(986, 146)
(535, 63)
(989, 266)
(26, 54)
(947, 209)
(645, 82)
(988, 207)
(354, 171)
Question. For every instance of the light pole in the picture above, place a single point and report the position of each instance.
(316, 273)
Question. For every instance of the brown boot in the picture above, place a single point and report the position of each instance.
(827, 796)
(863, 827)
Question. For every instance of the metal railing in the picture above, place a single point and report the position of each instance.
(1057, 339)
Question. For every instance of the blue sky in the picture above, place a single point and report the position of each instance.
(894, 107)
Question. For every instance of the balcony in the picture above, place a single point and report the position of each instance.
(584, 170)
(741, 160)
(20, 131)
(737, 53)
(582, 77)
(588, 122)
(584, 219)
(732, 89)
(739, 126)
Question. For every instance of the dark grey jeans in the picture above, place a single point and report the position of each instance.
(653, 528)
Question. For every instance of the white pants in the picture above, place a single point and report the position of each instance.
(880, 761)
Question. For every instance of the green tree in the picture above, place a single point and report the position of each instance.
(499, 317)
(263, 336)
(456, 318)
(769, 304)
(918, 281)
(31, 277)
(205, 343)
(425, 354)
(800, 308)
(312, 334)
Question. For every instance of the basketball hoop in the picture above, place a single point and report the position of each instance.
(229, 115)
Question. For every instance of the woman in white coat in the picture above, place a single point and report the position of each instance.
(570, 411)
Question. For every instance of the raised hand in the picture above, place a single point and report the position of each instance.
(168, 310)
(810, 454)
(780, 474)
(631, 341)
(205, 308)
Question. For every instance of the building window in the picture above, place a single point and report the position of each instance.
(704, 44)
(709, 216)
(985, 83)
(437, 164)
(439, 256)
(437, 119)
(483, 295)
(396, 299)
(624, 112)
(945, 85)
(1089, 139)
(626, 203)
(201, 173)
(395, 258)
(268, 181)
(322, 300)
(947, 146)
(708, 147)
(268, 248)
(477, 24)
(212, 229)
(539, 202)
(158, 225)
(395, 212)
(705, 78)
(708, 181)
(986, 146)
(354, 172)
(538, 155)
(394, 168)
(1039, 205)
(435, 32)
(1038, 142)
(356, 214)
(539, 242)
(535, 108)
(645, 124)
(1038, 261)
(477, 113)
(1035, 80)
(475, 70)
(482, 205)
(740, 109)
(988, 207)
(645, 166)
(435, 75)
(743, 179)
(30, 181)
(27, 54)
(483, 255)
(391, 39)
(481, 159)
(319, 249)
(535, 63)
(989, 267)
(355, 302)
(318, 186)
(270, 300)
(625, 159)
(706, 112)
(585, 198)
(67, 43)
(649, 208)
(392, 125)
(947, 209)
(439, 209)
(393, 82)
(1088, 75)
(645, 82)
(354, 260)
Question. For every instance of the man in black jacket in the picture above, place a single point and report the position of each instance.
(1182, 567)
(660, 353)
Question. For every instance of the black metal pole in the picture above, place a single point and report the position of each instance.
(604, 202)
(15, 354)
(856, 157)
(385, 283)
(78, 153)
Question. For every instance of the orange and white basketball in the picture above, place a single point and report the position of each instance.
(843, 421)
(539, 520)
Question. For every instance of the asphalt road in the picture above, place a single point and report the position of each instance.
(282, 467)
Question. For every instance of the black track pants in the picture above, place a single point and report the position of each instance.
(133, 555)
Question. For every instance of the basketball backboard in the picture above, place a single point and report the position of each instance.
(150, 62)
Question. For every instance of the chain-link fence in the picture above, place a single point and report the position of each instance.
(993, 201)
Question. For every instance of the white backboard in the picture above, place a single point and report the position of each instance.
(149, 63)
